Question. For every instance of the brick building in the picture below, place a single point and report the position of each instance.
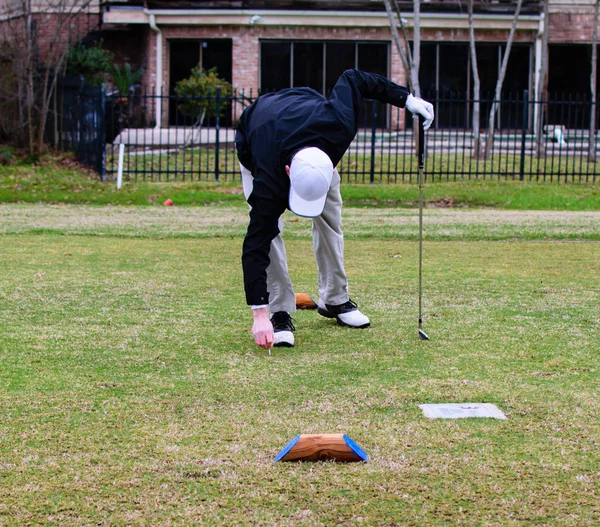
(264, 45)
(268, 45)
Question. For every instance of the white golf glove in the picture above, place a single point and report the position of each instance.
(424, 108)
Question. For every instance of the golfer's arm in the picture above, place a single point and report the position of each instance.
(382, 89)
(255, 254)
(261, 314)
(355, 85)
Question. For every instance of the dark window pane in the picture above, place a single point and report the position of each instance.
(373, 57)
(569, 69)
(454, 63)
(428, 69)
(452, 111)
(308, 65)
(488, 68)
(517, 71)
(275, 72)
(487, 65)
(184, 55)
(216, 53)
(515, 83)
(340, 56)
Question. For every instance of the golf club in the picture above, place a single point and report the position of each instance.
(421, 163)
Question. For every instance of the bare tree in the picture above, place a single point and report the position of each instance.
(416, 55)
(476, 85)
(38, 59)
(498, 91)
(593, 86)
(540, 108)
(410, 59)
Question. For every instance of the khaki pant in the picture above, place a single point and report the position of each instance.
(328, 246)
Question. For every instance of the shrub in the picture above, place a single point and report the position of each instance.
(199, 93)
(123, 78)
(7, 155)
(90, 62)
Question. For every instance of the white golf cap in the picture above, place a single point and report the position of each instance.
(310, 177)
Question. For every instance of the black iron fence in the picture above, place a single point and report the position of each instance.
(546, 140)
(83, 123)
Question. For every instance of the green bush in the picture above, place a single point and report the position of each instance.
(91, 62)
(7, 155)
(123, 78)
(199, 92)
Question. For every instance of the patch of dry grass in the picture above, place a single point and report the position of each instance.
(211, 221)
(131, 392)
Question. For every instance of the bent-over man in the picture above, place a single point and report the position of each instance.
(288, 144)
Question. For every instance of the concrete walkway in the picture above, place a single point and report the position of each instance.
(175, 136)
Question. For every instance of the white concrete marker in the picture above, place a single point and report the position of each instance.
(461, 410)
(120, 166)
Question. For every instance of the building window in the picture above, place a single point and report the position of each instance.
(445, 76)
(570, 69)
(318, 65)
(185, 54)
(308, 64)
(569, 74)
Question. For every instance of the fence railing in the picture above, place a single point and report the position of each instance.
(533, 141)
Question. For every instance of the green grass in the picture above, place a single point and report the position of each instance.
(218, 221)
(508, 195)
(131, 392)
(64, 182)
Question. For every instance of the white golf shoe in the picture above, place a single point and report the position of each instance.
(282, 329)
(346, 314)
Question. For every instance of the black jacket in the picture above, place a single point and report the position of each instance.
(272, 130)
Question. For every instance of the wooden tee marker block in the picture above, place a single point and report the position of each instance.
(303, 301)
(322, 447)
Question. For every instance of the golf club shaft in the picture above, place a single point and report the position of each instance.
(421, 163)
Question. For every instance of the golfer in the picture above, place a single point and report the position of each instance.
(288, 144)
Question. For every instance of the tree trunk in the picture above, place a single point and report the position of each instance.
(404, 52)
(593, 86)
(416, 55)
(540, 95)
(29, 79)
(198, 124)
(476, 86)
(498, 92)
(65, 12)
(36, 76)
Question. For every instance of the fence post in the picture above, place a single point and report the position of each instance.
(102, 138)
(523, 134)
(80, 133)
(217, 127)
(373, 137)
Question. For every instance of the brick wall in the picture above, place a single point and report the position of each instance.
(245, 45)
(128, 46)
(55, 34)
(570, 28)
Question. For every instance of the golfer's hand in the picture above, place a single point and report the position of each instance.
(422, 107)
(262, 329)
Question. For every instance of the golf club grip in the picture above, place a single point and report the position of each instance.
(421, 153)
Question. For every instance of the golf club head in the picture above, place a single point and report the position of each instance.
(423, 335)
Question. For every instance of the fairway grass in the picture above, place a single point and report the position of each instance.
(227, 220)
(131, 392)
(63, 181)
